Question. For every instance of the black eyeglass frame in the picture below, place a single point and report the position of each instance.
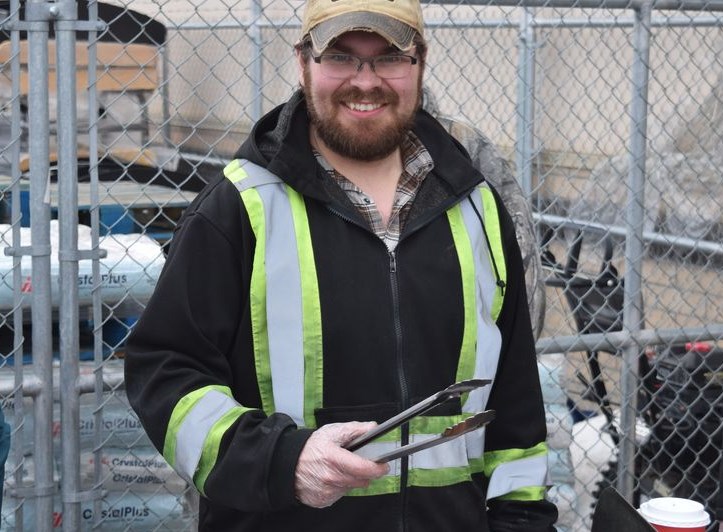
(361, 60)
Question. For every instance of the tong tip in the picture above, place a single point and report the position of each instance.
(471, 423)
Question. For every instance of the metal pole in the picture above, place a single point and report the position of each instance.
(165, 93)
(492, 23)
(257, 65)
(18, 435)
(677, 5)
(635, 212)
(97, 303)
(68, 261)
(37, 15)
(680, 242)
(613, 341)
(525, 103)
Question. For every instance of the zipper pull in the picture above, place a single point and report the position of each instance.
(392, 262)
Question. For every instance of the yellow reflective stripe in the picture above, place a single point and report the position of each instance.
(211, 447)
(313, 352)
(427, 478)
(180, 411)
(379, 486)
(435, 478)
(434, 424)
(465, 368)
(530, 470)
(477, 465)
(495, 458)
(392, 435)
(494, 235)
(234, 172)
(532, 493)
(257, 299)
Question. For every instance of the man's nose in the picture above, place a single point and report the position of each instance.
(366, 77)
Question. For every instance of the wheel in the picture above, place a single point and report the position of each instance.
(647, 484)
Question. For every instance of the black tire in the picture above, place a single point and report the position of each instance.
(647, 484)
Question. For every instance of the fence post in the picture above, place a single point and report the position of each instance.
(18, 436)
(525, 103)
(68, 256)
(634, 216)
(37, 15)
(257, 64)
(97, 302)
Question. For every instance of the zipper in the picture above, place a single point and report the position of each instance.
(403, 386)
(346, 218)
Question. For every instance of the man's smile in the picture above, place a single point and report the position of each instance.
(363, 107)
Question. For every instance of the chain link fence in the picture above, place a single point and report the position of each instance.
(601, 123)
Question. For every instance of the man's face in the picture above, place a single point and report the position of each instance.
(363, 117)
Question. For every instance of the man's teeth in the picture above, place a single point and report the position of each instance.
(363, 106)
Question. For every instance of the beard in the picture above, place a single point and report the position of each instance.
(368, 142)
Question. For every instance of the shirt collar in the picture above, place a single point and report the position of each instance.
(416, 160)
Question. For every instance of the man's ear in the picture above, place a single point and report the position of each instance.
(301, 65)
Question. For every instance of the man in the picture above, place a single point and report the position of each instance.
(350, 263)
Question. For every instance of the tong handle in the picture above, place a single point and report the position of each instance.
(452, 391)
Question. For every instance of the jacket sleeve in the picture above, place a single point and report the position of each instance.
(191, 380)
(519, 430)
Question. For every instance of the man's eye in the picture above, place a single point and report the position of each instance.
(339, 59)
(389, 59)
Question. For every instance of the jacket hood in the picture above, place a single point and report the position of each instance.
(280, 142)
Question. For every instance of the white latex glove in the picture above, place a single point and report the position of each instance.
(326, 471)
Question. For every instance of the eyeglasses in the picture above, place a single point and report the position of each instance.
(344, 66)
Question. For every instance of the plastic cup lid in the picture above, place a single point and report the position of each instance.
(674, 512)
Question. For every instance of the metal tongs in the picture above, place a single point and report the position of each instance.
(451, 392)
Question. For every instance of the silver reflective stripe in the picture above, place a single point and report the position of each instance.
(378, 448)
(257, 176)
(522, 473)
(284, 307)
(450, 454)
(489, 339)
(475, 443)
(194, 428)
(284, 315)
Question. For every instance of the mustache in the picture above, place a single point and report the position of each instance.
(376, 95)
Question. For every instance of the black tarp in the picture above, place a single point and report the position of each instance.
(123, 25)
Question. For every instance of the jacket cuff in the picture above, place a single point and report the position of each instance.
(283, 467)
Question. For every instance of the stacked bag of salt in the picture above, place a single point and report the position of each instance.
(559, 437)
(136, 489)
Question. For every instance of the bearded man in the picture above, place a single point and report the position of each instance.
(350, 263)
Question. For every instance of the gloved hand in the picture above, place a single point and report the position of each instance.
(326, 471)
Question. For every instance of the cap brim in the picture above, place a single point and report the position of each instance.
(397, 33)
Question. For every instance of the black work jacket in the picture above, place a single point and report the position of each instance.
(384, 346)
